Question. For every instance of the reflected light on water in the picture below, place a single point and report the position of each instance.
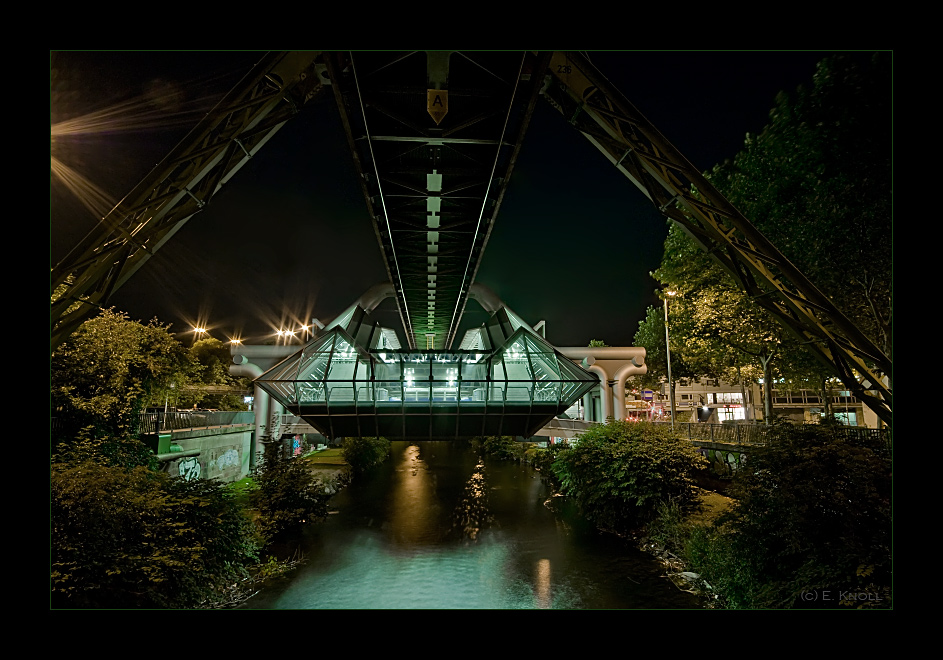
(471, 514)
(542, 584)
(413, 501)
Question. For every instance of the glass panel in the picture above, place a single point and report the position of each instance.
(416, 393)
(498, 373)
(519, 375)
(474, 367)
(310, 392)
(343, 362)
(363, 372)
(389, 391)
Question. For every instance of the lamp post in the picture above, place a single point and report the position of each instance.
(671, 397)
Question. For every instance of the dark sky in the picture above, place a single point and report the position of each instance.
(290, 237)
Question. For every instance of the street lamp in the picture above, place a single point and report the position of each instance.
(671, 396)
(286, 335)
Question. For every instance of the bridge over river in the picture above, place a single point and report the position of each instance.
(435, 136)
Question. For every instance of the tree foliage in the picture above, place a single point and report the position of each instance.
(817, 183)
(210, 359)
(501, 447)
(364, 453)
(110, 369)
(132, 538)
(618, 472)
(813, 515)
(286, 494)
(651, 335)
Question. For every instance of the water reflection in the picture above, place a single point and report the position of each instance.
(437, 527)
(413, 505)
(542, 584)
(471, 513)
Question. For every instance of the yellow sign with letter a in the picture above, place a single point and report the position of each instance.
(437, 103)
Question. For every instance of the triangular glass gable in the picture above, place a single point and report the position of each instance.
(529, 361)
(311, 374)
(343, 389)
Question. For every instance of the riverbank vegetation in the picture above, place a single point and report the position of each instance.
(126, 535)
(129, 536)
(810, 527)
(362, 454)
(123, 532)
(286, 494)
(504, 448)
(619, 472)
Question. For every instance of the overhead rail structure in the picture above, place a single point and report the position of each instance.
(435, 136)
(180, 186)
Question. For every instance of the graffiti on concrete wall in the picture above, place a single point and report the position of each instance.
(189, 468)
(228, 460)
(723, 462)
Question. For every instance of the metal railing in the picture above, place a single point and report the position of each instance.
(191, 419)
(758, 434)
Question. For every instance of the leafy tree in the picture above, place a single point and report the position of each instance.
(131, 538)
(813, 515)
(597, 343)
(618, 472)
(126, 451)
(501, 447)
(286, 494)
(816, 182)
(364, 453)
(651, 335)
(210, 366)
(110, 369)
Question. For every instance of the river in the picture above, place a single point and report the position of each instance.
(436, 527)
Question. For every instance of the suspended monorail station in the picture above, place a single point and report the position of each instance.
(353, 379)
(434, 137)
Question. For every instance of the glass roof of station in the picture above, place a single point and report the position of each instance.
(342, 389)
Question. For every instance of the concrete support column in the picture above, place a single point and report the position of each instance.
(605, 392)
(621, 376)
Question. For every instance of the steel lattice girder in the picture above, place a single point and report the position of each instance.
(433, 188)
(180, 186)
(638, 150)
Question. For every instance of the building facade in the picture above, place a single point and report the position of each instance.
(711, 400)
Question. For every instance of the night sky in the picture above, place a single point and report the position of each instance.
(290, 238)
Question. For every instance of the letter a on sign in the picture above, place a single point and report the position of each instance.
(437, 103)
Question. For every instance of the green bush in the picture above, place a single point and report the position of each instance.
(813, 515)
(364, 453)
(124, 451)
(133, 538)
(500, 447)
(286, 494)
(617, 473)
(668, 528)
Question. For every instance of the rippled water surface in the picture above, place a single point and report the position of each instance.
(438, 528)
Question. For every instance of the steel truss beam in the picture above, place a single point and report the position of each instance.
(637, 149)
(433, 187)
(180, 186)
